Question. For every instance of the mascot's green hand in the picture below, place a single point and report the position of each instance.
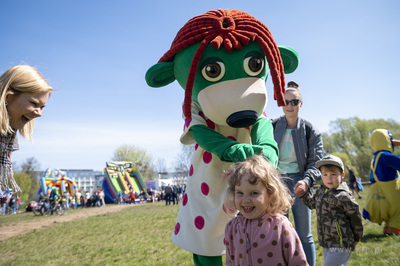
(226, 149)
(240, 152)
(229, 150)
(271, 154)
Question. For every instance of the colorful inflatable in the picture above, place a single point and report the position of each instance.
(120, 177)
(55, 177)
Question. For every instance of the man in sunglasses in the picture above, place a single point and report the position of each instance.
(300, 146)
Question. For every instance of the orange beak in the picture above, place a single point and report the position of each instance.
(396, 142)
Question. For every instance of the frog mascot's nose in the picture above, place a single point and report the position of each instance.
(242, 119)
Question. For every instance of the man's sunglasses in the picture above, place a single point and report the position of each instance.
(294, 102)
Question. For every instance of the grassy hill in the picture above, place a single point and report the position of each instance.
(140, 235)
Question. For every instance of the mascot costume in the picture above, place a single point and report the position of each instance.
(382, 204)
(221, 59)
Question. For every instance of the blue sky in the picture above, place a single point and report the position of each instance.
(95, 54)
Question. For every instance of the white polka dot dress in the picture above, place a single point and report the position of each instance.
(201, 218)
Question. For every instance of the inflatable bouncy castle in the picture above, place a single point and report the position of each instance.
(55, 177)
(119, 179)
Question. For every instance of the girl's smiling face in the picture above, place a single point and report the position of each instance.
(24, 107)
(251, 199)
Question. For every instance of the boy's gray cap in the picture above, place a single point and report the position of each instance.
(330, 160)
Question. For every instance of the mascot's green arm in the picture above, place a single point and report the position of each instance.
(226, 149)
(262, 134)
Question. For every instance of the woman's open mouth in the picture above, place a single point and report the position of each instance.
(25, 119)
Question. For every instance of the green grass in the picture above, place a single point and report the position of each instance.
(141, 235)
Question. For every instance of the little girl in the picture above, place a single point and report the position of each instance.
(260, 234)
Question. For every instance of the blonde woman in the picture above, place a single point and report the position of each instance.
(23, 95)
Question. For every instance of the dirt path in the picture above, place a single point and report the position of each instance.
(12, 230)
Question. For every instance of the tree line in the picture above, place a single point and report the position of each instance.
(348, 139)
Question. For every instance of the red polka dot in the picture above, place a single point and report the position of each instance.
(232, 138)
(210, 124)
(207, 157)
(223, 208)
(184, 200)
(177, 228)
(202, 114)
(205, 189)
(264, 113)
(196, 146)
(187, 122)
(199, 222)
(191, 170)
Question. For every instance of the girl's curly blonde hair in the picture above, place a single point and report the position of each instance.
(260, 170)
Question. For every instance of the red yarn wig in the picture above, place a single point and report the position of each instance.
(232, 28)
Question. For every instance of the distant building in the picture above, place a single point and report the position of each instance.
(166, 178)
(85, 179)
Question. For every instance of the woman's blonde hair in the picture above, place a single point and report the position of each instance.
(16, 80)
(260, 170)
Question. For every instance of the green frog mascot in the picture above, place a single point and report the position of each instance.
(221, 59)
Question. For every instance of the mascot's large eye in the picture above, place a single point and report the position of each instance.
(213, 71)
(253, 65)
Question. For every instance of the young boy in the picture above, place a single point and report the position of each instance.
(339, 222)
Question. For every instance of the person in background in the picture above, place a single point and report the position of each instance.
(77, 198)
(68, 199)
(83, 201)
(132, 197)
(383, 194)
(300, 146)
(53, 193)
(180, 192)
(73, 202)
(18, 203)
(168, 194)
(97, 198)
(3, 202)
(23, 95)
(41, 197)
(339, 223)
(162, 196)
(102, 195)
(13, 203)
(174, 194)
(353, 181)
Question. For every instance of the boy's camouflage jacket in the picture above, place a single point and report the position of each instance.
(339, 223)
